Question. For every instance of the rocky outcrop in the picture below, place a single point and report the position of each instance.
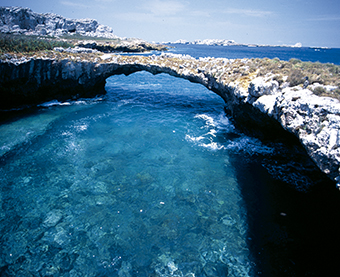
(135, 45)
(255, 102)
(25, 21)
(16, 20)
(314, 120)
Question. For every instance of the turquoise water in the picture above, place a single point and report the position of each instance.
(138, 182)
(151, 179)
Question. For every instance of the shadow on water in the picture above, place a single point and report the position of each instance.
(291, 232)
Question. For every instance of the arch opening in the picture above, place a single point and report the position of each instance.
(152, 177)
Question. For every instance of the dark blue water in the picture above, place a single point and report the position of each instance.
(239, 52)
(152, 179)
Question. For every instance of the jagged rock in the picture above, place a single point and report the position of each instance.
(259, 87)
(314, 120)
(25, 21)
(121, 46)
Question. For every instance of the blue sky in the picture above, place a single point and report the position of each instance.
(312, 23)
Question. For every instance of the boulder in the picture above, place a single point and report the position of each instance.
(259, 87)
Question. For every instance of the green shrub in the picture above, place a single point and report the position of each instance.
(320, 91)
(24, 44)
(294, 61)
(295, 77)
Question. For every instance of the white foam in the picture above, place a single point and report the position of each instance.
(54, 103)
(219, 122)
(249, 146)
(193, 139)
(209, 121)
(212, 146)
(82, 101)
(215, 124)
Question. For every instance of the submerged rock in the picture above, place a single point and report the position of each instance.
(52, 218)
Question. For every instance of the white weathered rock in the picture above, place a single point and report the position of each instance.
(266, 103)
(259, 87)
(25, 21)
(314, 120)
(75, 50)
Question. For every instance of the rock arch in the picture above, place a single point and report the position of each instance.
(259, 105)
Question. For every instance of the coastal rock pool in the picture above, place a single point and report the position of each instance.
(153, 179)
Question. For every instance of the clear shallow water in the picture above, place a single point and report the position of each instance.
(153, 180)
(138, 183)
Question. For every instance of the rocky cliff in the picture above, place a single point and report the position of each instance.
(17, 20)
(25, 21)
(253, 101)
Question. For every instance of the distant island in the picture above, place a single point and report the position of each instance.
(227, 42)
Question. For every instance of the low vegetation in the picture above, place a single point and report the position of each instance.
(294, 71)
(241, 71)
(77, 37)
(26, 44)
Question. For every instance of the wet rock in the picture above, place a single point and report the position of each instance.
(213, 269)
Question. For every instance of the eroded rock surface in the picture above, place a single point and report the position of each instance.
(25, 21)
(314, 120)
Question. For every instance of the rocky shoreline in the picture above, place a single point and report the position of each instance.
(85, 33)
(251, 100)
(258, 96)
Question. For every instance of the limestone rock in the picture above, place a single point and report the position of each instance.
(314, 120)
(25, 21)
(259, 87)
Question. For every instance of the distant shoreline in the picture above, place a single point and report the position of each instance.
(221, 42)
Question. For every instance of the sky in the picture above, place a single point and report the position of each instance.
(281, 22)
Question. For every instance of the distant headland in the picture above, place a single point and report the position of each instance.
(85, 33)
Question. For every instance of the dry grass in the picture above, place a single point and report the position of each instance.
(295, 71)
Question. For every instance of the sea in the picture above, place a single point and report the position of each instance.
(153, 179)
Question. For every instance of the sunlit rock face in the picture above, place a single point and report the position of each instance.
(256, 102)
(25, 21)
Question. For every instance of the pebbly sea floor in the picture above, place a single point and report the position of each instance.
(152, 179)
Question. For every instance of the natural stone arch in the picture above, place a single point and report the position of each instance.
(255, 103)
